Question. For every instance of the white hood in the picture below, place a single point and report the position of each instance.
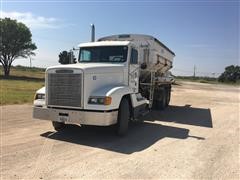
(92, 67)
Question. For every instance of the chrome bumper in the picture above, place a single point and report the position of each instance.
(76, 116)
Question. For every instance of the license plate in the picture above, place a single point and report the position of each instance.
(63, 118)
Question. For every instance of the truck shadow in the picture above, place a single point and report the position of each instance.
(140, 136)
(183, 115)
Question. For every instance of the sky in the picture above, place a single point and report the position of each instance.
(204, 34)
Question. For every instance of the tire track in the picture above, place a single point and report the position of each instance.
(42, 159)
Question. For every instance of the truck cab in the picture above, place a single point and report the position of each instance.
(103, 88)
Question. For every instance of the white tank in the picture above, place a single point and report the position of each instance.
(152, 54)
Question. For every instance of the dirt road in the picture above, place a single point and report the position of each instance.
(196, 137)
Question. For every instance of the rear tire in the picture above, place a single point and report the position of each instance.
(161, 99)
(58, 126)
(123, 117)
(168, 94)
(162, 103)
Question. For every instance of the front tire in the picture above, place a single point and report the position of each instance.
(58, 126)
(123, 117)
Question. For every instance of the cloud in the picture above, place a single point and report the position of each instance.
(31, 20)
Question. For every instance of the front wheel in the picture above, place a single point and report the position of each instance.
(123, 117)
(58, 126)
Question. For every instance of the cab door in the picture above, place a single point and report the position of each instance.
(134, 70)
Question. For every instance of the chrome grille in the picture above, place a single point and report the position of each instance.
(64, 89)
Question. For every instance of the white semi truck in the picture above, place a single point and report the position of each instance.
(117, 79)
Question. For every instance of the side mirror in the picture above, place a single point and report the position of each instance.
(143, 66)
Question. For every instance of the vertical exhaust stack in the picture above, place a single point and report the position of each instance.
(92, 32)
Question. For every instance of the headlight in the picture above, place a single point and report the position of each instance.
(100, 100)
(39, 96)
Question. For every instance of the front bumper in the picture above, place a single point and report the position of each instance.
(76, 116)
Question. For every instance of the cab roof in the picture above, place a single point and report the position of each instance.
(105, 43)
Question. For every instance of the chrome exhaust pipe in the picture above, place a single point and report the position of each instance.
(92, 33)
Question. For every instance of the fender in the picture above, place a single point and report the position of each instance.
(41, 90)
(115, 92)
(40, 102)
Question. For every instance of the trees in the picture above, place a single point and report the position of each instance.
(15, 42)
(231, 74)
(66, 57)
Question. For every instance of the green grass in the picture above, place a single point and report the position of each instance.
(22, 71)
(21, 86)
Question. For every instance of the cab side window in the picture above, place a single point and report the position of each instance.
(134, 56)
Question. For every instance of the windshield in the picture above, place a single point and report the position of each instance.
(110, 54)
